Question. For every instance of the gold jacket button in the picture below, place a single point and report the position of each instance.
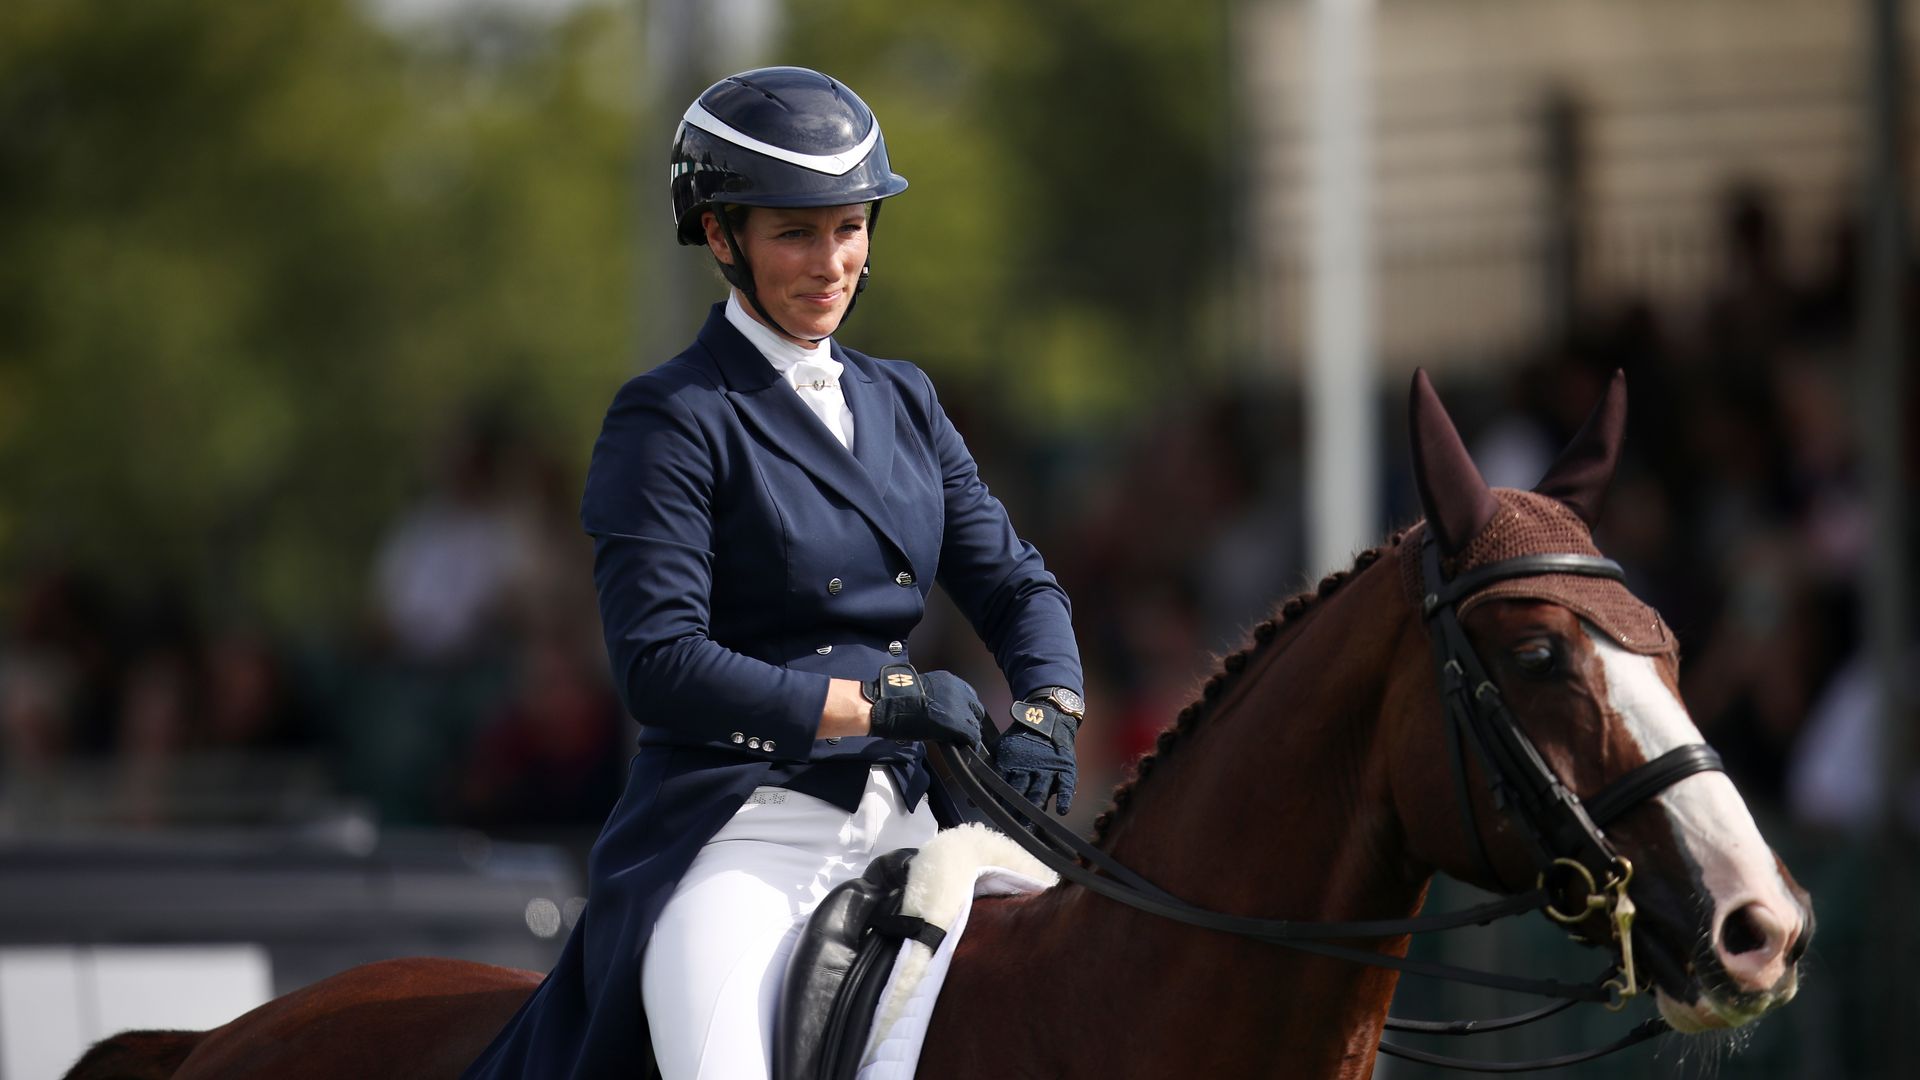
(834, 586)
(904, 579)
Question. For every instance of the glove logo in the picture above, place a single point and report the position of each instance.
(1034, 716)
(900, 678)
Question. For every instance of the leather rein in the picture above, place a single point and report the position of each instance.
(1579, 874)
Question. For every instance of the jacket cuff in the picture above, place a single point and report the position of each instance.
(1049, 675)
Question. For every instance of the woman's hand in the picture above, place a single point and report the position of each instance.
(936, 707)
(1035, 756)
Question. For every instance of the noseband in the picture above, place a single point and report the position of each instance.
(1579, 874)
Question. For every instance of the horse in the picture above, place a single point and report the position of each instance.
(1308, 782)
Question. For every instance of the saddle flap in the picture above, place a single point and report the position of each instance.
(822, 1011)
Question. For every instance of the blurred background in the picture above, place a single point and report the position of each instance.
(310, 311)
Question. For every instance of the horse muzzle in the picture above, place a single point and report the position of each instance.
(1748, 966)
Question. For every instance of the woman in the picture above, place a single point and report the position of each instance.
(769, 510)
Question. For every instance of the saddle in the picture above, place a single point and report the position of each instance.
(838, 969)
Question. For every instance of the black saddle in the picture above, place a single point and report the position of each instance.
(838, 968)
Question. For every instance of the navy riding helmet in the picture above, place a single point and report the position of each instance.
(778, 136)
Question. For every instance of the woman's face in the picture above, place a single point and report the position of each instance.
(806, 262)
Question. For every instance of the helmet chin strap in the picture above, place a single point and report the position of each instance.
(740, 276)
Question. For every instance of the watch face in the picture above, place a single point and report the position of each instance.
(1068, 702)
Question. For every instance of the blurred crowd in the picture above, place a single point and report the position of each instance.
(475, 690)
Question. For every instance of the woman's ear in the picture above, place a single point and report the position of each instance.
(716, 240)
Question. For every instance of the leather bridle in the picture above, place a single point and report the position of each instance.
(1579, 874)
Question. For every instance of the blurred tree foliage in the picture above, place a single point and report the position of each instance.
(1066, 232)
(259, 259)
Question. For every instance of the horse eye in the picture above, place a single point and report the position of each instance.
(1536, 658)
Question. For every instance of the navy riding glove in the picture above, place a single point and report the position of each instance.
(1035, 755)
(936, 707)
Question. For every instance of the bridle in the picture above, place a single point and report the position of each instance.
(1579, 874)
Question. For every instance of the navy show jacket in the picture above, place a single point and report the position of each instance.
(743, 558)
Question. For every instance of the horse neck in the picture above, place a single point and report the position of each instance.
(1277, 806)
(1285, 775)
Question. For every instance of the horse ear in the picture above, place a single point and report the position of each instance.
(1457, 501)
(1580, 476)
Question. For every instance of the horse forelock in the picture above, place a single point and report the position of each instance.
(1262, 638)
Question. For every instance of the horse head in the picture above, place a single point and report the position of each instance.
(1589, 675)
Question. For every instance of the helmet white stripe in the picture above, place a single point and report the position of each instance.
(831, 164)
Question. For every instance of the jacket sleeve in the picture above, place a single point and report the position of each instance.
(648, 506)
(997, 579)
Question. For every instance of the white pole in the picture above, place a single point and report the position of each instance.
(1342, 483)
(1885, 256)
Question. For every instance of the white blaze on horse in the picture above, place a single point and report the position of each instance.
(1480, 697)
(1759, 922)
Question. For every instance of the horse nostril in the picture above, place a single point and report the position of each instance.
(1799, 947)
(1741, 933)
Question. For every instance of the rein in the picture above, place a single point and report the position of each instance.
(1563, 835)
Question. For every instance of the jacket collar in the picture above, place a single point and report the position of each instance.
(765, 402)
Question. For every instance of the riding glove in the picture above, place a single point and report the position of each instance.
(1035, 755)
(936, 707)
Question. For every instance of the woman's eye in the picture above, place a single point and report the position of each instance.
(1536, 658)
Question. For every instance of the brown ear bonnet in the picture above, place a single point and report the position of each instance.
(1526, 523)
(1476, 525)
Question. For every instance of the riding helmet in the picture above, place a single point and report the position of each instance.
(777, 136)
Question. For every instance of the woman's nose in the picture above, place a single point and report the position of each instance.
(832, 257)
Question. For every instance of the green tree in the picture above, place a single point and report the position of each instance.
(259, 257)
(1066, 229)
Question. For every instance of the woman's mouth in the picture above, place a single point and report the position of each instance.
(821, 299)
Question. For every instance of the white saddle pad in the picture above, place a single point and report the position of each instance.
(953, 868)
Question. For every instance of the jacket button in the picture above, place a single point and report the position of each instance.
(834, 587)
(753, 744)
(767, 746)
(904, 579)
(896, 648)
(738, 738)
(824, 650)
(834, 741)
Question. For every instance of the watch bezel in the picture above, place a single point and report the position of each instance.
(1067, 701)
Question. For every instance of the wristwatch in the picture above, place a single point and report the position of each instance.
(1063, 699)
(1051, 711)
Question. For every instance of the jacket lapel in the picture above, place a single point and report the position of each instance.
(871, 401)
(766, 403)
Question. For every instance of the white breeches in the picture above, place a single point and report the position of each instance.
(712, 972)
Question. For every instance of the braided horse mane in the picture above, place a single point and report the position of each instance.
(1263, 635)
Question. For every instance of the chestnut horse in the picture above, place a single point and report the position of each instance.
(1309, 782)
